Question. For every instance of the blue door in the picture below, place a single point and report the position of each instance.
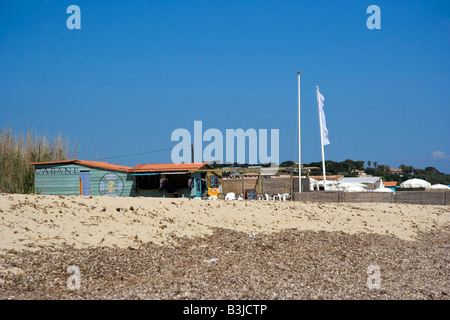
(196, 190)
(84, 183)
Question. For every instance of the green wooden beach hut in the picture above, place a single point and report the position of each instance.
(81, 177)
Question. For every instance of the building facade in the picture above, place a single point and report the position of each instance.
(95, 178)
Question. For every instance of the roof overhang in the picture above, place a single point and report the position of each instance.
(86, 163)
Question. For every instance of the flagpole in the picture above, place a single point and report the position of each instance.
(299, 141)
(321, 140)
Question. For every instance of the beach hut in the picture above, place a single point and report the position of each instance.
(82, 177)
(415, 183)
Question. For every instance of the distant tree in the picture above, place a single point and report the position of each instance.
(403, 167)
(375, 164)
(392, 177)
(383, 169)
(288, 164)
(369, 163)
(407, 170)
(359, 165)
(431, 170)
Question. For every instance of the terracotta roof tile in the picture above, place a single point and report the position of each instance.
(390, 183)
(159, 167)
(93, 164)
(156, 167)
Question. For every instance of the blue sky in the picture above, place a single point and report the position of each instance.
(138, 70)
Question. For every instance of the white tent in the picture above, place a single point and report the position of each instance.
(415, 183)
(354, 189)
(351, 184)
(369, 183)
(345, 186)
(438, 187)
(383, 190)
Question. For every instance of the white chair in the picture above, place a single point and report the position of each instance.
(285, 196)
(230, 196)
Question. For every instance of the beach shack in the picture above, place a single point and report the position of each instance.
(81, 177)
(171, 180)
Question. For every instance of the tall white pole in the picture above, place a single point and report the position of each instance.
(299, 141)
(321, 140)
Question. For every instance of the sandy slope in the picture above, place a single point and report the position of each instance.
(34, 221)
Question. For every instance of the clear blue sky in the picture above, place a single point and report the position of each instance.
(137, 70)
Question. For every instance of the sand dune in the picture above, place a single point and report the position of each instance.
(30, 222)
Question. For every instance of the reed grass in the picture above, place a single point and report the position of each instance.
(17, 151)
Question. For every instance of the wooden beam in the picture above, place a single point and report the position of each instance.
(260, 184)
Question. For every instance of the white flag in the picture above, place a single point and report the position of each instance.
(323, 121)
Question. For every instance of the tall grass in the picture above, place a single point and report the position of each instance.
(17, 151)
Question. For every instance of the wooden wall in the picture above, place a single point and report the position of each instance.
(235, 185)
(270, 186)
(411, 197)
(64, 179)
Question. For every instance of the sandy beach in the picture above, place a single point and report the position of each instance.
(41, 230)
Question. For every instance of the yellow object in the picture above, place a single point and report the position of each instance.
(213, 191)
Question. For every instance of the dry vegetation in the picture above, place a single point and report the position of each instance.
(17, 151)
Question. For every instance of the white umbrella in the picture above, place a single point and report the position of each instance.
(415, 183)
(438, 187)
(344, 186)
(351, 184)
(383, 190)
(355, 189)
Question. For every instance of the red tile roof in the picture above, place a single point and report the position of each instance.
(156, 167)
(160, 167)
(390, 183)
(93, 164)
